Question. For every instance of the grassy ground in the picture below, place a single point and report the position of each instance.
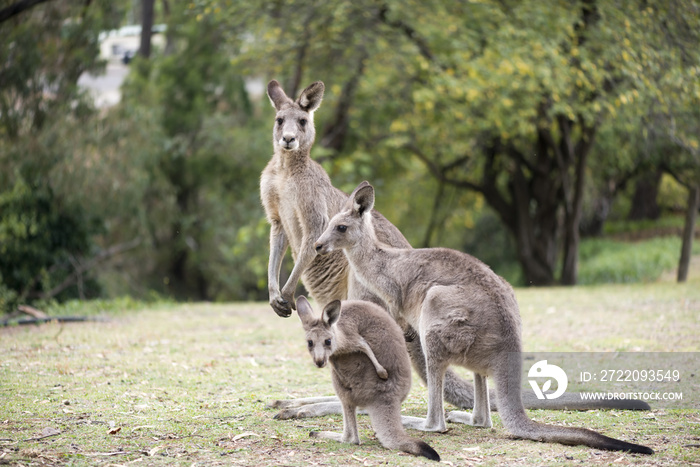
(188, 384)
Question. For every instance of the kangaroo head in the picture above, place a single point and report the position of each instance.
(347, 228)
(320, 332)
(294, 122)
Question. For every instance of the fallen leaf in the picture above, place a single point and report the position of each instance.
(153, 451)
(244, 435)
(48, 431)
(114, 431)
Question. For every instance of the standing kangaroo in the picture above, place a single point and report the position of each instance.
(299, 200)
(465, 314)
(370, 369)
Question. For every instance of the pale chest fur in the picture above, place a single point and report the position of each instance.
(296, 197)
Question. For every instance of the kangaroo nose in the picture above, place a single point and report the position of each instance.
(288, 139)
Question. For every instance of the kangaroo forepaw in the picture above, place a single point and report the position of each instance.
(382, 373)
(282, 307)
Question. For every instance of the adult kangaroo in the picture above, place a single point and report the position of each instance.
(299, 200)
(464, 313)
(370, 369)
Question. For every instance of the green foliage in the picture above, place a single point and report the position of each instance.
(45, 233)
(41, 243)
(609, 261)
(444, 107)
(672, 195)
(203, 160)
(645, 228)
(491, 97)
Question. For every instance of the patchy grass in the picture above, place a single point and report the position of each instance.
(188, 384)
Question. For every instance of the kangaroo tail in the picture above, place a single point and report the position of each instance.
(517, 422)
(386, 421)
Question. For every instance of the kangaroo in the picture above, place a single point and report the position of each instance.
(464, 313)
(370, 369)
(299, 200)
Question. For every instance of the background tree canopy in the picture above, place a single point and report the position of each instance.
(506, 129)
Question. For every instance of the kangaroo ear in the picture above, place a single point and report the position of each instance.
(310, 98)
(306, 313)
(277, 96)
(331, 313)
(362, 198)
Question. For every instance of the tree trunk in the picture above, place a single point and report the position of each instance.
(169, 38)
(434, 216)
(535, 232)
(644, 205)
(689, 232)
(572, 236)
(146, 27)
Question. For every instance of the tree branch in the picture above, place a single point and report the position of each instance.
(439, 171)
(410, 33)
(79, 269)
(17, 8)
(336, 131)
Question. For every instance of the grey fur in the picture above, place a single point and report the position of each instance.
(299, 200)
(464, 313)
(370, 369)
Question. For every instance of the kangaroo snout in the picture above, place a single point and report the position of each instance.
(320, 248)
(289, 142)
(320, 363)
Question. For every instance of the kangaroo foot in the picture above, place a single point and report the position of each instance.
(309, 411)
(466, 418)
(418, 423)
(288, 403)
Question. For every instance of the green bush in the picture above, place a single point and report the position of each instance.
(613, 261)
(41, 238)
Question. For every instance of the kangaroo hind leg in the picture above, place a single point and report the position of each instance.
(350, 433)
(481, 415)
(447, 334)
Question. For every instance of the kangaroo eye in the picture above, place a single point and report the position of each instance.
(311, 344)
(302, 122)
(342, 228)
(280, 121)
(327, 342)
